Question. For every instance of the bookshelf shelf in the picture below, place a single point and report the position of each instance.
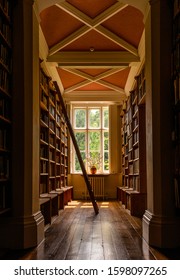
(133, 157)
(53, 150)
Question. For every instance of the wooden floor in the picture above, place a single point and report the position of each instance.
(79, 234)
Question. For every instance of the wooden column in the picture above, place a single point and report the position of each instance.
(160, 225)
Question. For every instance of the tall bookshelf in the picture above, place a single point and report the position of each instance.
(176, 99)
(5, 105)
(133, 191)
(54, 190)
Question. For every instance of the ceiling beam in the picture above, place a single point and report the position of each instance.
(108, 13)
(93, 59)
(74, 12)
(92, 24)
(69, 39)
(103, 75)
(94, 96)
(116, 39)
(93, 78)
(111, 11)
(77, 86)
(109, 85)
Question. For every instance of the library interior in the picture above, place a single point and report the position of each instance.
(89, 129)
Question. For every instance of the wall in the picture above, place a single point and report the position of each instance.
(110, 183)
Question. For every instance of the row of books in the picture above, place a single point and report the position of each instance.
(177, 192)
(52, 140)
(43, 151)
(176, 7)
(52, 96)
(43, 188)
(6, 7)
(132, 182)
(4, 80)
(176, 58)
(44, 135)
(176, 88)
(5, 30)
(52, 110)
(44, 117)
(4, 108)
(44, 98)
(51, 169)
(44, 82)
(5, 57)
(4, 139)
(4, 167)
(43, 167)
(58, 170)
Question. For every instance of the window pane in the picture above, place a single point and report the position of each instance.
(80, 118)
(77, 165)
(95, 159)
(94, 118)
(91, 128)
(94, 141)
(80, 138)
(105, 117)
(106, 161)
(106, 141)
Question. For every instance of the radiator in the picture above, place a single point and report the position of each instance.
(97, 184)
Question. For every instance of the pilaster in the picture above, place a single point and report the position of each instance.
(161, 227)
(25, 228)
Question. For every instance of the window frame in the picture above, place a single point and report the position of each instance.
(102, 130)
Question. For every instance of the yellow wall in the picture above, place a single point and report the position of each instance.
(110, 183)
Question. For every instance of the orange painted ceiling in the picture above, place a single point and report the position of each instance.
(93, 43)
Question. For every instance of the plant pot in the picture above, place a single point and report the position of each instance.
(93, 170)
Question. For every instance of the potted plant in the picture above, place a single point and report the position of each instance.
(94, 160)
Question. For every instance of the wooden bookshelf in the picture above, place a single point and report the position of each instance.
(176, 100)
(133, 191)
(54, 190)
(5, 106)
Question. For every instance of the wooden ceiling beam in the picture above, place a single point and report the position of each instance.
(109, 85)
(111, 11)
(74, 12)
(93, 59)
(69, 39)
(94, 96)
(108, 13)
(77, 86)
(116, 39)
(92, 24)
(93, 78)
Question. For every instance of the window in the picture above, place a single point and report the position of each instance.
(91, 129)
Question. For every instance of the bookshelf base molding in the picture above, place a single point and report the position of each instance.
(28, 231)
(161, 231)
(136, 202)
(51, 203)
(132, 200)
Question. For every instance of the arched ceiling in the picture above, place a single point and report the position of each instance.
(93, 44)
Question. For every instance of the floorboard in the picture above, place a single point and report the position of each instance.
(79, 234)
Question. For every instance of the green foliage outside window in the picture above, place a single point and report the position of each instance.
(92, 135)
(80, 118)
